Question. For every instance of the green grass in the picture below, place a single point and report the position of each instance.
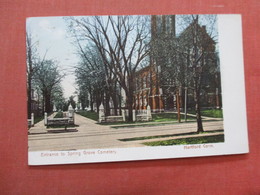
(147, 124)
(137, 124)
(187, 141)
(124, 123)
(158, 117)
(38, 119)
(168, 135)
(59, 115)
(215, 113)
(163, 117)
(90, 115)
(168, 118)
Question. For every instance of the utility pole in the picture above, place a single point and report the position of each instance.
(185, 104)
(178, 106)
(217, 99)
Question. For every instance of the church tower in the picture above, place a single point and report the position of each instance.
(162, 29)
(162, 24)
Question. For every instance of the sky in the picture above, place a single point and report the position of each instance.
(51, 35)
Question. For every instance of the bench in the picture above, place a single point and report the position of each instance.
(143, 117)
(58, 121)
(114, 118)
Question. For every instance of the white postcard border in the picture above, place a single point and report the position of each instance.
(234, 112)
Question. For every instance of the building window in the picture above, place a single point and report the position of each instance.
(147, 80)
(138, 84)
(168, 24)
(159, 24)
(144, 82)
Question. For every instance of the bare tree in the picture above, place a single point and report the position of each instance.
(122, 43)
(31, 59)
(187, 60)
(47, 78)
(90, 74)
(198, 46)
(34, 62)
(57, 97)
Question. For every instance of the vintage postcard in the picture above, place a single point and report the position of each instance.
(134, 87)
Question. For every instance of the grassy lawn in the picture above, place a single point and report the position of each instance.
(171, 118)
(169, 135)
(38, 119)
(168, 118)
(146, 124)
(88, 114)
(158, 117)
(187, 141)
(59, 115)
(162, 117)
(215, 113)
(124, 124)
(139, 124)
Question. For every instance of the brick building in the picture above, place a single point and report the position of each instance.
(156, 85)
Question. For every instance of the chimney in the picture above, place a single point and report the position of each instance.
(173, 28)
(164, 24)
(153, 26)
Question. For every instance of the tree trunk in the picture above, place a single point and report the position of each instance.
(29, 96)
(130, 96)
(48, 102)
(43, 105)
(99, 98)
(129, 106)
(178, 106)
(115, 104)
(114, 99)
(30, 72)
(119, 103)
(197, 106)
(98, 102)
(91, 101)
(107, 105)
(92, 106)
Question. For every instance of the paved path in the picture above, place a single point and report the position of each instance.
(89, 135)
(39, 128)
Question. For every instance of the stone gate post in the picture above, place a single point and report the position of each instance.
(101, 114)
(45, 118)
(134, 116)
(123, 114)
(71, 113)
(32, 119)
(149, 113)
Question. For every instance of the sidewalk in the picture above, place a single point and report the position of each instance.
(90, 135)
(40, 128)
